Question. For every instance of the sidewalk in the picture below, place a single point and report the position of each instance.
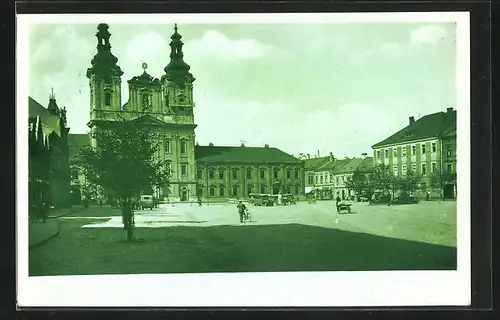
(64, 212)
(41, 232)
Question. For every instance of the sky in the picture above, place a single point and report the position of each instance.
(302, 88)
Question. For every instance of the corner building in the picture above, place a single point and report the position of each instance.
(165, 106)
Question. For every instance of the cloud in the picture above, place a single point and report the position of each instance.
(427, 35)
(215, 44)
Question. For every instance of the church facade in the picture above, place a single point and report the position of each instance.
(166, 106)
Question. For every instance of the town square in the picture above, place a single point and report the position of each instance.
(142, 174)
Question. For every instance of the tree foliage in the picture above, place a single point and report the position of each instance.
(438, 180)
(382, 179)
(360, 183)
(409, 182)
(124, 165)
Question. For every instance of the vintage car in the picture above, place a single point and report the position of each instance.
(263, 200)
(147, 201)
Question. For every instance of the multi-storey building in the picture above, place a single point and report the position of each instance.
(48, 154)
(311, 165)
(236, 172)
(419, 147)
(165, 106)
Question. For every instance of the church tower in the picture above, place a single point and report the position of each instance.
(104, 79)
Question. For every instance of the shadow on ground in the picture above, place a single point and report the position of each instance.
(249, 248)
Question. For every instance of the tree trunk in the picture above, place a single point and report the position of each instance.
(128, 219)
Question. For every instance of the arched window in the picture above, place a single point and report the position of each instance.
(296, 173)
(221, 173)
(107, 98)
(211, 173)
(249, 173)
(249, 188)
(262, 173)
(221, 191)
(275, 173)
(183, 146)
(167, 146)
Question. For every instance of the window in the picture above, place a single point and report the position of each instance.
(448, 151)
(235, 190)
(378, 154)
(221, 173)
(317, 179)
(310, 179)
(211, 173)
(145, 100)
(331, 177)
(168, 167)
(395, 169)
(199, 174)
(249, 173)
(167, 146)
(183, 146)
(403, 151)
(321, 179)
(403, 169)
(235, 173)
(413, 150)
(423, 169)
(422, 147)
(395, 152)
(433, 147)
(296, 189)
(296, 173)
(249, 188)
(449, 168)
(275, 173)
(433, 167)
(413, 167)
(288, 173)
(107, 98)
(221, 191)
(184, 170)
(262, 189)
(212, 191)
(386, 153)
(262, 173)
(337, 180)
(288, 189)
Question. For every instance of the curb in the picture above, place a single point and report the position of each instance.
(35, 245)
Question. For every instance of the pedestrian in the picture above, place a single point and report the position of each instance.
(100, 203)
(241, 210)
(199, 201)
(337, 202)
(427, 196)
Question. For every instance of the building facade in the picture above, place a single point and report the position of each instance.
(426, 146)
(165, 106)
(236, 172)
(48, 168)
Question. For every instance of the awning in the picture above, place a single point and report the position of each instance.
(309, 189)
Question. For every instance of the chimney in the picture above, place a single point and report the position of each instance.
(197, 144)
(412, 119)
(308, 156)
(448, 110)
(210, 144)
(331, 156)
(242, 144)
(266, 146)
(363, 155)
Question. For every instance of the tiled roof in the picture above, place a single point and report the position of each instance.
(216, 154)
(429, 126)
(311, 164)
(349, 166)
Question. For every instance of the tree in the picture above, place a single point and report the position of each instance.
(124, 165)
(360, 183)
(438, 180)
(408, 183)
(382, 179)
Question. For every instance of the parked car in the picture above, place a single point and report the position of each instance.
(288, 199)
(263, 199)
(147, 201)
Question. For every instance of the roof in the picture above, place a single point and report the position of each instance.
(311, 164)
(349, 166)
(216, 154)
(50, 122)
(429, 126)
(366, 165)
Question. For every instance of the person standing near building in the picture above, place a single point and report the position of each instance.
(337, 201)
(241, 211)
(280, 199)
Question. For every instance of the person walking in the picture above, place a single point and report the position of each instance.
(337, 202)
(199, 201)
(241, 211)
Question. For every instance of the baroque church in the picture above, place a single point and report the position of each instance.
(166, 106)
